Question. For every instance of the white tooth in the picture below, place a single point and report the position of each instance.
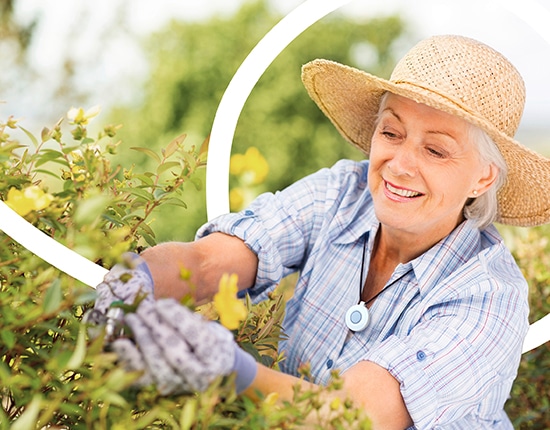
(401, 192)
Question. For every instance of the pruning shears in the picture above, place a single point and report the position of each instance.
(112, 321)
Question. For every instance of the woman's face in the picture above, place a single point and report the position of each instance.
(423, 168)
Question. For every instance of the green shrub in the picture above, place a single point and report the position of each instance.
(51, 374)
(529, 405)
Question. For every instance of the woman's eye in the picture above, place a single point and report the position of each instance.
(436, 153)
(389, 134)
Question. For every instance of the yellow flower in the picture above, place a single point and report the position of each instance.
(271, 402)
(271, 399)
(335, 404)
(237, 164)
(236, 198)
(230, 309)
(80, 116)
(251, 166)
(30, 199)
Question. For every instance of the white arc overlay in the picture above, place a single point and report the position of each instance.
(48, 249)
(240, 87)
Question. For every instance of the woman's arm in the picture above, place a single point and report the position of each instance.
(368, 385)
(206, 260)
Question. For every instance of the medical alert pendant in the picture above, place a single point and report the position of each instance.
(357, 317)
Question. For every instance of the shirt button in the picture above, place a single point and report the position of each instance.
(329, 364)
(421, 355)
(248, 212)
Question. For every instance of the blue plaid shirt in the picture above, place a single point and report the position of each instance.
(450, 330)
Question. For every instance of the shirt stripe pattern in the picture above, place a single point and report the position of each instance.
(450, 329)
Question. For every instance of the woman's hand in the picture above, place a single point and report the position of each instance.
(126, 282)
(180, 351)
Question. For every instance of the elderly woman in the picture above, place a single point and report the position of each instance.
(405, 285)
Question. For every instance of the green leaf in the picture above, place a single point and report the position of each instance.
(149, 239)
(159, 193)
(90, 209)
(46, 134)
(138, 192)
(188, 414)
(79, 354)
(148, 418)
(168, 165)
(144, 228)
(47, 172)
(174, 145)
(120, 209)
(8, 338)
(175, 202)
(114, 399)
(136, 214)
(60, 360)
(71, 409)
(50, 155)
(61, 161)
(53, 297)
(10, 146)
(189, 159)
(203, 150)
(29, 417)
(69, 149)
(116, 221)
(148, 152)
(145, 179)
(30, 136)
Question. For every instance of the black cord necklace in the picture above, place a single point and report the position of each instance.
(358, 316)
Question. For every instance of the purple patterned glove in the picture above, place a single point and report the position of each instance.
(180, 351)
(123, 284)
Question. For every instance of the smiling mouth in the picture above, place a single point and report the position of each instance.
(402, 192)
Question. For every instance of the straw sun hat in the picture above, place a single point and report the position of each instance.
(456, 75)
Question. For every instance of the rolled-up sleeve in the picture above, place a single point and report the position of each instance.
(459, 354)
(278, 228)
(252, 231)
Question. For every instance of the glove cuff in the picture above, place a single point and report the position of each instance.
(246, 368)
(138, 263)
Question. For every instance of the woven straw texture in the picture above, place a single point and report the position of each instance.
(457, 75)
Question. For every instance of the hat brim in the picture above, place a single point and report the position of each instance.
(350, 98)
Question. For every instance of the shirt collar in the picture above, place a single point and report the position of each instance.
(435, 264)
(362, 220)
(447, 255)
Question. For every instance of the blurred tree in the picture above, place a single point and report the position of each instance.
(15, 39)
(58, 54)
(192, 64)
(13, 31)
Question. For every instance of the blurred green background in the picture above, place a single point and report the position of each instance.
(160, 78)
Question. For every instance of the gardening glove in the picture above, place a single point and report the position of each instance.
(180, 351)
(127, 283)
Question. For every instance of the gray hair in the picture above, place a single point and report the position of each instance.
(483, 210)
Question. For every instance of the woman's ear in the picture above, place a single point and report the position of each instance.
(490, 175)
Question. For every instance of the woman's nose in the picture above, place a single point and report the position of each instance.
(403, 161)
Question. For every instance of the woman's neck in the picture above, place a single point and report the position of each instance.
(399, 246)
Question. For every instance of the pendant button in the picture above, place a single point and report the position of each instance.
(357, 317)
